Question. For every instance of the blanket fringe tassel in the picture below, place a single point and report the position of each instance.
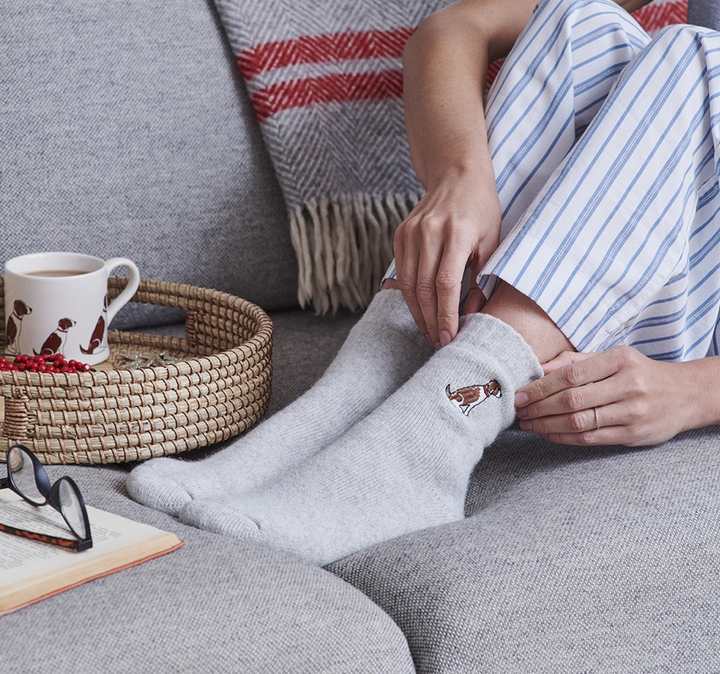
(344, 246)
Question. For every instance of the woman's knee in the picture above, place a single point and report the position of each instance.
(578, 9)
(672, 42)
(591, 27)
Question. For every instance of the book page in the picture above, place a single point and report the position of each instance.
(22, 559)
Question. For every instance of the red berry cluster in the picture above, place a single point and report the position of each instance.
(44, 363)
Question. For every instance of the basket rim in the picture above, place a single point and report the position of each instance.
(261, 339)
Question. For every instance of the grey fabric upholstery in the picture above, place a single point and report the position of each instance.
(216, 605)
(704, 13)
(573, 560)
(125, 129)
(602, 560)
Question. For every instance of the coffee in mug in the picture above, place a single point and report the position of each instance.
(56, 272)
(58, 303)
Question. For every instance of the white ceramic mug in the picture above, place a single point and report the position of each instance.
(58, 303)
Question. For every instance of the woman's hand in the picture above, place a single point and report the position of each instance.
(455, 225)
(457, 222)
(639, 401)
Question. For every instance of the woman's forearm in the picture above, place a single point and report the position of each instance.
(445, 69)
(456, 224)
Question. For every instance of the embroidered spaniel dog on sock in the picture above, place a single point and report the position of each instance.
(469, 397)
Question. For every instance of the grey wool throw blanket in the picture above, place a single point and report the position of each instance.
(325, 80)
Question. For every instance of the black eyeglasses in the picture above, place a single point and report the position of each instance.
(26, 476)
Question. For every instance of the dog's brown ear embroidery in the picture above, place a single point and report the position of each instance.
(469, 397)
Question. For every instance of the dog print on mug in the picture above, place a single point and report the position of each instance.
(97, 338)
(55, 343)
(14, 326)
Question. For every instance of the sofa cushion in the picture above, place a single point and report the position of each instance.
(573, 560)
(217, 604)
(125, 129)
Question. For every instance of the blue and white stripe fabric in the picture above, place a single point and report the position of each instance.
(606, 149)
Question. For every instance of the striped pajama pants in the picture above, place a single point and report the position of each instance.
(606, 149)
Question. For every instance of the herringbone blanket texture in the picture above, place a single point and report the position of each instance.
(325, 79)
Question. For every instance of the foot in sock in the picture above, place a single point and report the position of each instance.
(404, 467)
(381, 353)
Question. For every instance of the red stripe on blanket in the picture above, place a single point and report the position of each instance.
(376, 86)
(655, 16)
(340, 88)
(493, 70)
(323, 49)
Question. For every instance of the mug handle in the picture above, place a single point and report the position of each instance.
(133, 282)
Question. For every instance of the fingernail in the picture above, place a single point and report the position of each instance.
(438, 346)
(445, 338)
(428, 339)
(521, 399)
(520, 412)
(526, 425)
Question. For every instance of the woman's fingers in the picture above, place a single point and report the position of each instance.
(578, 402)
(573, 401)
(568, 380)
(430, 255)
(565, 358)
(579, 421)
(406, 262)
(448, 285)
(610, 435)
(618, 396)
(430, 270)
(610, 424)
(455, 224)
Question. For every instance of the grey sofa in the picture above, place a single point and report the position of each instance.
(125, 129)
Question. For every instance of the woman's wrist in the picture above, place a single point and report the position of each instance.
(697, 387)
(472, 170)
(467, 194)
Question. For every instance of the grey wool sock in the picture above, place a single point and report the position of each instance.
(381, 353)
(404, 467)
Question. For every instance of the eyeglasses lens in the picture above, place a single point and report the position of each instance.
(20, 466)
(71, 508)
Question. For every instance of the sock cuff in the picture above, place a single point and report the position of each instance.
(484, 333)
(386, 304)
(389, 309)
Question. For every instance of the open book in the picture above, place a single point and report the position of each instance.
(31, 571)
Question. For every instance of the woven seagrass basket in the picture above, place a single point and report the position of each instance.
(195, 391)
